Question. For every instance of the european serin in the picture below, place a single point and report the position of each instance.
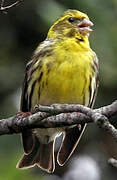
(63, 69)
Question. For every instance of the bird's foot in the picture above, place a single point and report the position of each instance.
(23, 114)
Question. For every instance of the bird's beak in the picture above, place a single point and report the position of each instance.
(84, 26)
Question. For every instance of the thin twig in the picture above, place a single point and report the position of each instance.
(109, 111)
(10, 6)
(113, 162)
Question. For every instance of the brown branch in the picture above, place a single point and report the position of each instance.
(4, 9)
(59, 115)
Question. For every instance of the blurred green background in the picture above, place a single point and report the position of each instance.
(21, 30)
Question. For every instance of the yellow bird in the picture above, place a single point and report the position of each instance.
(63, 69)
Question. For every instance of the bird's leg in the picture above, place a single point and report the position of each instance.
(23, 114)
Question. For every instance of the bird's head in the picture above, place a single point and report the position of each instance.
(71, 23)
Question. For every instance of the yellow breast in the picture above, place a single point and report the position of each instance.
(65, 76)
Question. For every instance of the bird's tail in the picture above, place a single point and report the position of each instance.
(70, 141)
(42, 155)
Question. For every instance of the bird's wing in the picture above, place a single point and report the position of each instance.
(24, 97)
(42, 50)
(27, 136)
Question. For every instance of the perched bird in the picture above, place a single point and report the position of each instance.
(63, 69)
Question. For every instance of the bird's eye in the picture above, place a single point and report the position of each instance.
(71, 19)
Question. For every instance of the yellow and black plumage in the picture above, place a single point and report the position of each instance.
(63, 69)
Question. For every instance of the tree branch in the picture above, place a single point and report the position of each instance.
(4, 9)
(59, 115)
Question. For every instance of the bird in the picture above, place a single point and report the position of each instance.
(63, 69)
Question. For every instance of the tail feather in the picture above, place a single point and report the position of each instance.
(46, 157)
(27, 140)
(70, 141)
(42, 156)
(29, 160)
